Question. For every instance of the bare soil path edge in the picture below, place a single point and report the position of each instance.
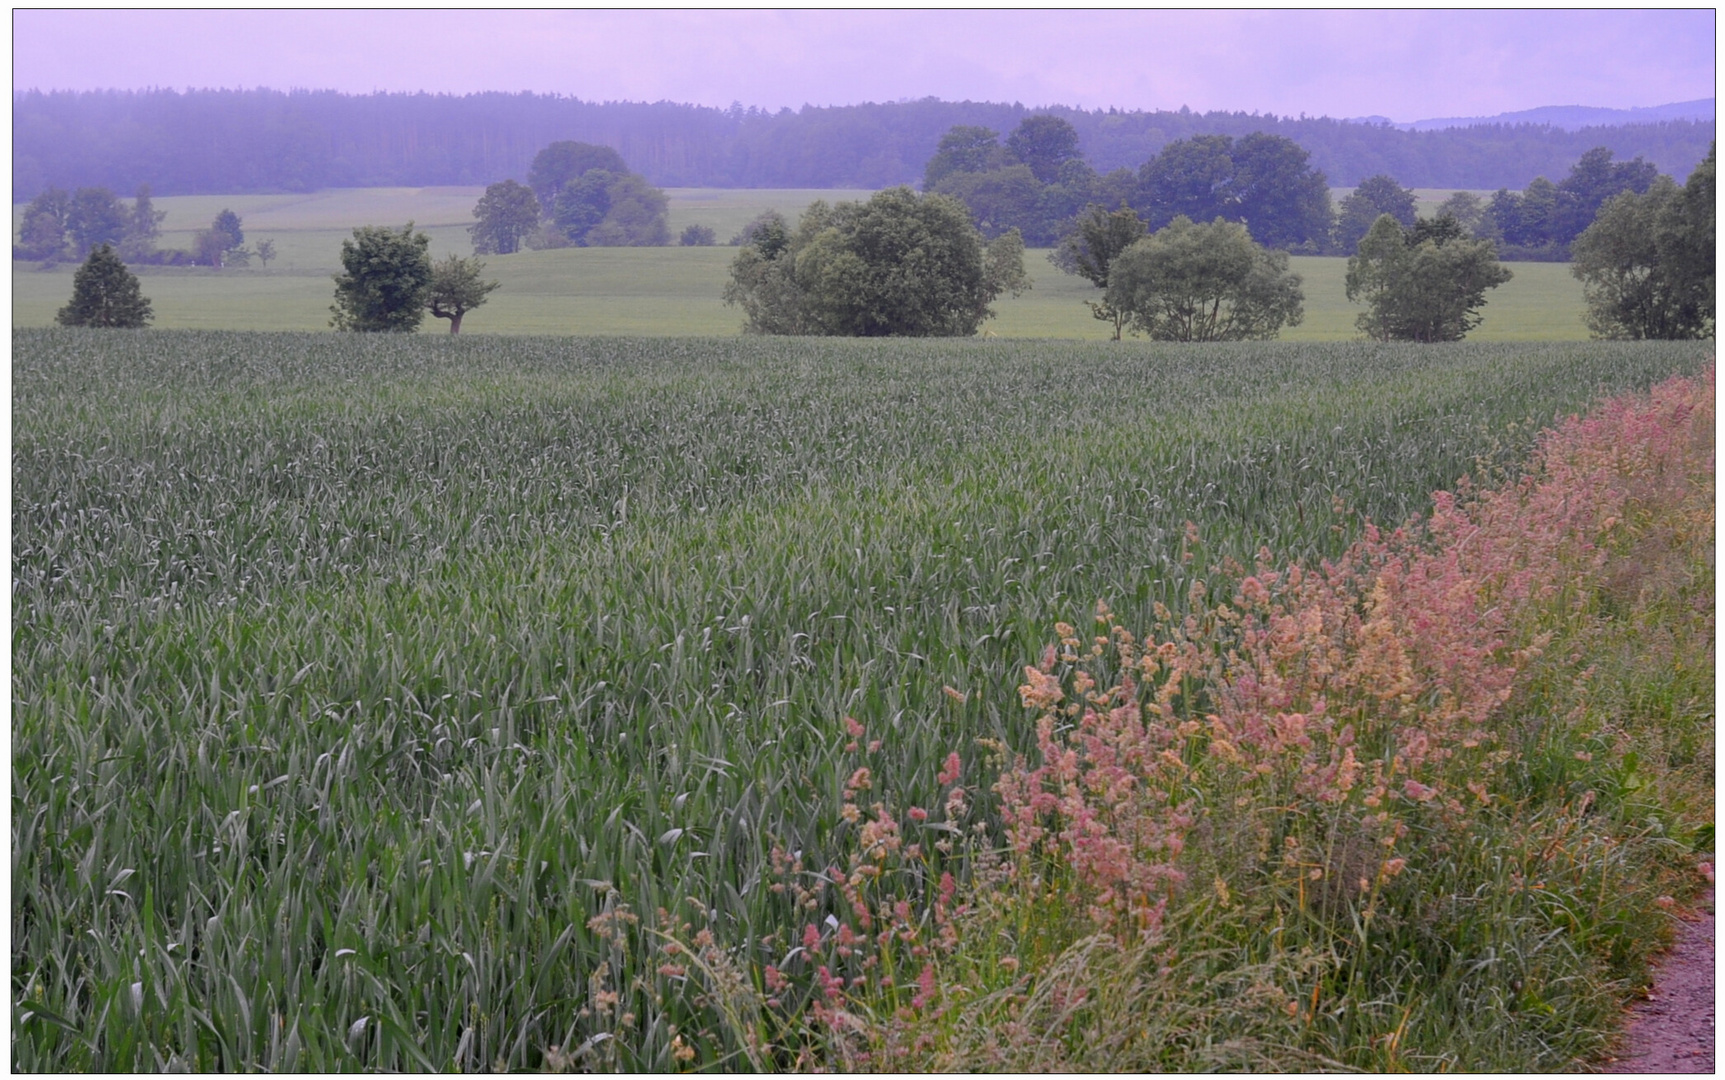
(1672, 1030)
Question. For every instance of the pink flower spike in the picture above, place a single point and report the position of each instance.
(953, 770)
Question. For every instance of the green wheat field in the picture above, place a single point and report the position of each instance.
(353, 675)
(672, 291)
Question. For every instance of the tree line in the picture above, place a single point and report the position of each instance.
(910, 264)
(1037, 182)
(240, 141)
(58, 226)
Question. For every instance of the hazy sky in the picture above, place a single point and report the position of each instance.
(1406, 65)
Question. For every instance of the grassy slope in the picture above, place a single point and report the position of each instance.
(409, 647)
(643, 291)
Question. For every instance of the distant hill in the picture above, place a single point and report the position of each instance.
(258, 141)
(1567, 117)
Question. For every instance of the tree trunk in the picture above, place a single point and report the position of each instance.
(455, 323)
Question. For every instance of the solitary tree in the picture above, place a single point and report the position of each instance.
(105, 293)
(507, 212)
(1192, 282)
(1426, 283)
(387, 280)
(266, 251)
(698, 236)
(456, 289)
(898, 264)
(1647, 262)
(1091, 248)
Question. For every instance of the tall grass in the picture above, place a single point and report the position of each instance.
(371, 696)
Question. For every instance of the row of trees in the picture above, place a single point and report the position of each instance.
(1037, 182)
(388, 283)
(229, 141)
(1536, 224)
(900, 264)
(909, 264)
(576, 194)
(59, 226)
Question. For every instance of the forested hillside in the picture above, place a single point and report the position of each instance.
(208, 141)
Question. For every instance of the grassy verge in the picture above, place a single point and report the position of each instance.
(1427, 807)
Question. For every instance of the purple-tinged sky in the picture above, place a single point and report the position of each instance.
(1405, 65)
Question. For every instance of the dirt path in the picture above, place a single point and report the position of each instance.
(1672, 1031)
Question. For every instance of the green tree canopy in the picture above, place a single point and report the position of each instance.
(42, 232)
(1426, 283)
(105, 293)
(1188, 178)
(1361, 208)
(1189, 282)
(1542, 220)
(1646, 263)
(768, 232)
(601, 208)
(1466, 208)
(143, 226)
(898, 264)
(965, 148)
(506, 213)
(582, 203)
(1000, 199)
(637, 215)
(698, 236)
(227, 223)
(386, 281)
(1091, 248)
(1262, 181)
(562, 162)
(96, 217)
(456, 288)
(1044, 143)
(1277, 194)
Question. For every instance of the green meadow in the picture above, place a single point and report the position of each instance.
(671, 291)
(363, 685)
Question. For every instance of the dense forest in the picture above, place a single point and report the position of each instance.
(220, 141)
